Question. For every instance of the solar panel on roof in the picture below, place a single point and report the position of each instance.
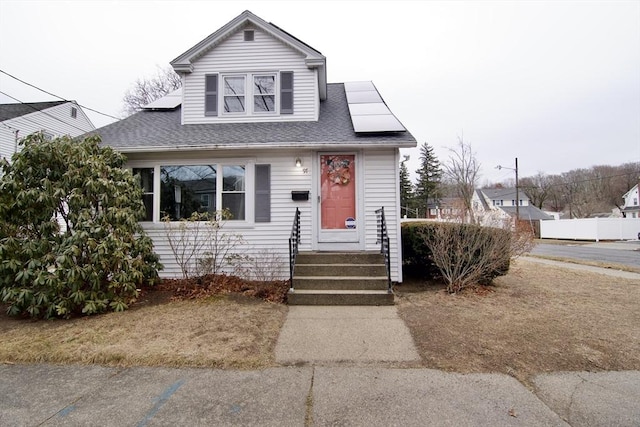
(368, 111)
(360, 97)
(167, 102)
(377, 123)
(358, 86)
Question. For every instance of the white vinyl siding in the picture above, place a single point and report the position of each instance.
(264, 55)
(380, 190)
(270, 236)
(56, 121)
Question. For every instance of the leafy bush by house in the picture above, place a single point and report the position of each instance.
(70, 241)
(462, 254)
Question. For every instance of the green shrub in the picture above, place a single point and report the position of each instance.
(462, 254)
(99, 258)
(416, 255)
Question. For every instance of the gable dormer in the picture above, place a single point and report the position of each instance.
(251, 71)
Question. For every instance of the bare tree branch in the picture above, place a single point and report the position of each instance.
(146, 90)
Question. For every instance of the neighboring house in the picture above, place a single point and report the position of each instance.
(494, 206)
(631, 208)
(446, 208)
(256, 129)
(54, 119)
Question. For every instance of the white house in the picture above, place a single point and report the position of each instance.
(631, 208)
(55, 119)
(257, 129)
(503, 202)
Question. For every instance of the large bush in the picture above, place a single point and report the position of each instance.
(462, 254)
(70, 241)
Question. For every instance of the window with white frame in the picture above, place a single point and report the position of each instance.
(249, 94)
(240, 188)
(262, 90)
(234, 94)
(264, 93)
(189, 189)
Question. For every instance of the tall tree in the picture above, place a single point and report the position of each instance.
(537, 188)
(429, 178)
(406, 191)
(462, 170)
(147, 90)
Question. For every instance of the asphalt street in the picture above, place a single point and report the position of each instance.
(625, 253)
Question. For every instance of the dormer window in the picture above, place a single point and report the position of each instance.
(234, 94)
(264, 94)
(249, 94)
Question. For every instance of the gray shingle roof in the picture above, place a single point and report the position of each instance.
(503, 193)
(11, 111)
(162, 129)
(527, 212)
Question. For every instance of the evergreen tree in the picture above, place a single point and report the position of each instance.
(406, 191)
(429, 176)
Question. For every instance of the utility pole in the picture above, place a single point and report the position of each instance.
(517, 195)
(499, 167)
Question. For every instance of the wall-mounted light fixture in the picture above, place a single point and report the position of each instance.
(298, 162)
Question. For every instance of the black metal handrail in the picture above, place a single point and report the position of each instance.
(294, 242)
(383, 240)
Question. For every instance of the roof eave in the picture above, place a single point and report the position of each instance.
(269, 145)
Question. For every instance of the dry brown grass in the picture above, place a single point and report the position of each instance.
(535, 319)
(219, 331)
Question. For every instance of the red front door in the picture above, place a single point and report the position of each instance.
(338, 212)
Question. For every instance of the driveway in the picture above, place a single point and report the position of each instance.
(625, 253)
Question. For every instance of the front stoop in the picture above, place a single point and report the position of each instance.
(340, 278)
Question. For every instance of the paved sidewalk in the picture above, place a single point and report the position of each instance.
(49, 395)
(345, 334)
(582, 267)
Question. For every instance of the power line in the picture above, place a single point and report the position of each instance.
(45, 113)
(56, 96)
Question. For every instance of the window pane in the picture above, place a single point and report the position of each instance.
(146, 182)
(147, 199)
(234, 85)
(264, 103)
(235, 203)
(184, 187)
(234, 104)
(265, 85)
(233, 178)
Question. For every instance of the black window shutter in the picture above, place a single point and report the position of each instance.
(211, 95)
(286, 92)
(263, 193)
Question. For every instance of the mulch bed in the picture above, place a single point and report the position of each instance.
(212, 284)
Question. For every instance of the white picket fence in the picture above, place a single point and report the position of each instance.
(595, 229)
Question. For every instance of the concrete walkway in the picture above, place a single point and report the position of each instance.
(345, 334)
(582, 267)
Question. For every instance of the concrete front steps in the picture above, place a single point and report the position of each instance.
(340, 278)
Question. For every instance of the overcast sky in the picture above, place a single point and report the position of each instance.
(555, 84)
